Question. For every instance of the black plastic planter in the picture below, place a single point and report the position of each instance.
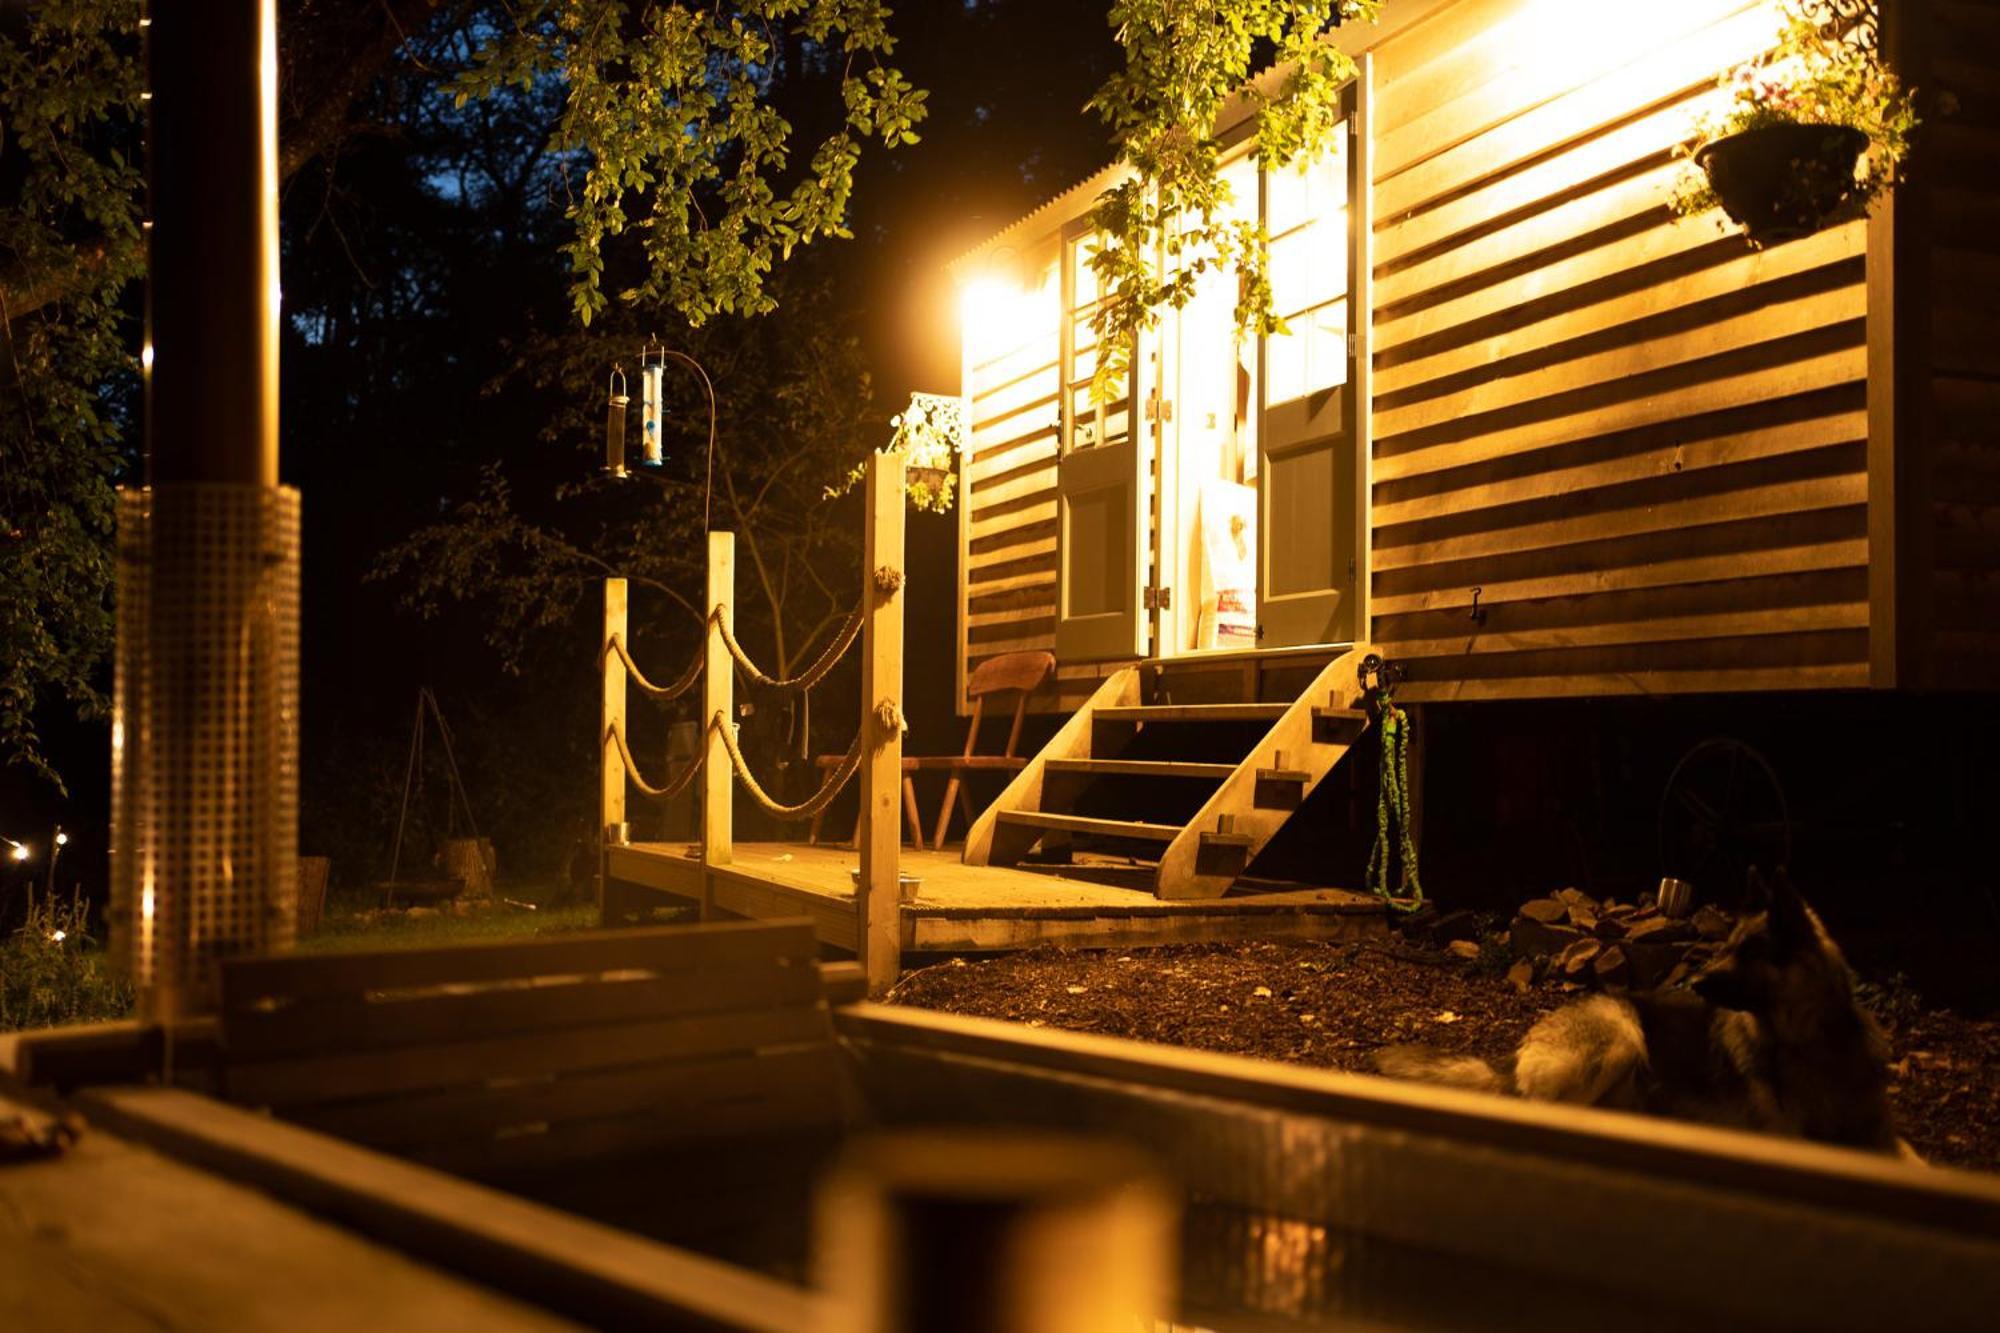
(1781, 182)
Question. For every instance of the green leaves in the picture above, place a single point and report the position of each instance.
(1169, 221)
(668, 110)
(69, 244)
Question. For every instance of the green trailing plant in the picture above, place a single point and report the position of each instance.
(52, 971)
(1392, 862)
(1169, 220)
(1826, 69)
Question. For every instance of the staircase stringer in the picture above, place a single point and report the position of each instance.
(1073, 741)
(1228, 832)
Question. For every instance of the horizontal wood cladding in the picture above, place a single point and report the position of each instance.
(1641, 441)
(1009, 525)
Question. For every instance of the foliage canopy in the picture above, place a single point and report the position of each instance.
(667, 105)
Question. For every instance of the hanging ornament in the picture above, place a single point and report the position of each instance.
(652, 385)
(614, 424)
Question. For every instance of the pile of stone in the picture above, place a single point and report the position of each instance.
(1573, 938)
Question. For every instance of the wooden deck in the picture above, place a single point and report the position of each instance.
(956, 908)
(111, 1237)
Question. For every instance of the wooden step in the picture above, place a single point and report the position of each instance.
(1102, 828)
(1142, 768)
(1336, 726)
(1193, 713)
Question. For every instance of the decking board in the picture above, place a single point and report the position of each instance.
(961, 908)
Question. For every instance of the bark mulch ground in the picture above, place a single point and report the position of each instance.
(1331, 1005)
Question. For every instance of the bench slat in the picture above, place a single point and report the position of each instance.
(704, 1092)
(248, 981)
(283, 1084)
(353, 1022)
(596, 1139)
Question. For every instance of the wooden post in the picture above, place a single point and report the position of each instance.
(879, 830)
(718, 701)
(611, 769)
(1011, 1231)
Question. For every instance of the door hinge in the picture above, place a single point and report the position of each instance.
(1159, 599)
(1353, 346)
(1158, 408)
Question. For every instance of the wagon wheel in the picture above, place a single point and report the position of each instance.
(1722, 812)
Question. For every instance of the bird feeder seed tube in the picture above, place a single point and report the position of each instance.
(614, 424)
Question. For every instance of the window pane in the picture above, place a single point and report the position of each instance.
(1291, 262)
(1084, 364)
(1326, 263)
(1084, 282)
(1286, 202)
(1325, 331)
(1285, 364)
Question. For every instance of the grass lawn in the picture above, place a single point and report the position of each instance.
(355, 920)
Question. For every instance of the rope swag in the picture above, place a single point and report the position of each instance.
(681, 685)
(849, 764)
(806, 679)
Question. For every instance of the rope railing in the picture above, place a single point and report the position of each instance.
(836, 648)
(829, 657)
(673, 788)
(681, 686)
(837, 778)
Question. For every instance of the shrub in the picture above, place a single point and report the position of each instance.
(52, 971)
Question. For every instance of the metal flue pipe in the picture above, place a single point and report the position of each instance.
(205, 727)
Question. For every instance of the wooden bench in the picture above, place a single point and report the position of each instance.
(492, 1058)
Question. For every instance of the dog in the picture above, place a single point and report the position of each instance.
(1767, 1036)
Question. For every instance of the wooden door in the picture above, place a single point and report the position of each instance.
(1308, 475)
(1102, 490)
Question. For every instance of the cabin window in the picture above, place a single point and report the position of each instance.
(1305, 214)
(1089, 421)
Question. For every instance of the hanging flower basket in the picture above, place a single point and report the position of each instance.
(1780, 182)
(931, 433)
(1812, 130)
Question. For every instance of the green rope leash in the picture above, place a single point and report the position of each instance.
(1392, 813)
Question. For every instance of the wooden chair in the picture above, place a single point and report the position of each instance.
(1022, 673)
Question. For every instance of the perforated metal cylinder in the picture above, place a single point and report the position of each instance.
(204, 740)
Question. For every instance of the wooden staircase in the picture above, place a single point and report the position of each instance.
(1278, 753)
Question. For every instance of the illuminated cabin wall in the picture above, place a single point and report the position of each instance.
(1646, 443)
(1007, 532)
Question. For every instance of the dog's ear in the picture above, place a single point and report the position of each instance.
(1756, 892)
(1791, 922)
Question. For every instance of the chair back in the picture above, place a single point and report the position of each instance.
(1022, 672)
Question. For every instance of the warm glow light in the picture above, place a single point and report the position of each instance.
(58, 936)
(62, 839)
(19, 852)
(146, 356)
(996, 316)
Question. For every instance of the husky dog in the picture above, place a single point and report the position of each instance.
(1768, 1036)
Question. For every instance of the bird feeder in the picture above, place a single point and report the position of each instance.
(614, 424)
(652, 386)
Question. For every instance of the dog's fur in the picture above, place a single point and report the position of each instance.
(1768, 1036)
